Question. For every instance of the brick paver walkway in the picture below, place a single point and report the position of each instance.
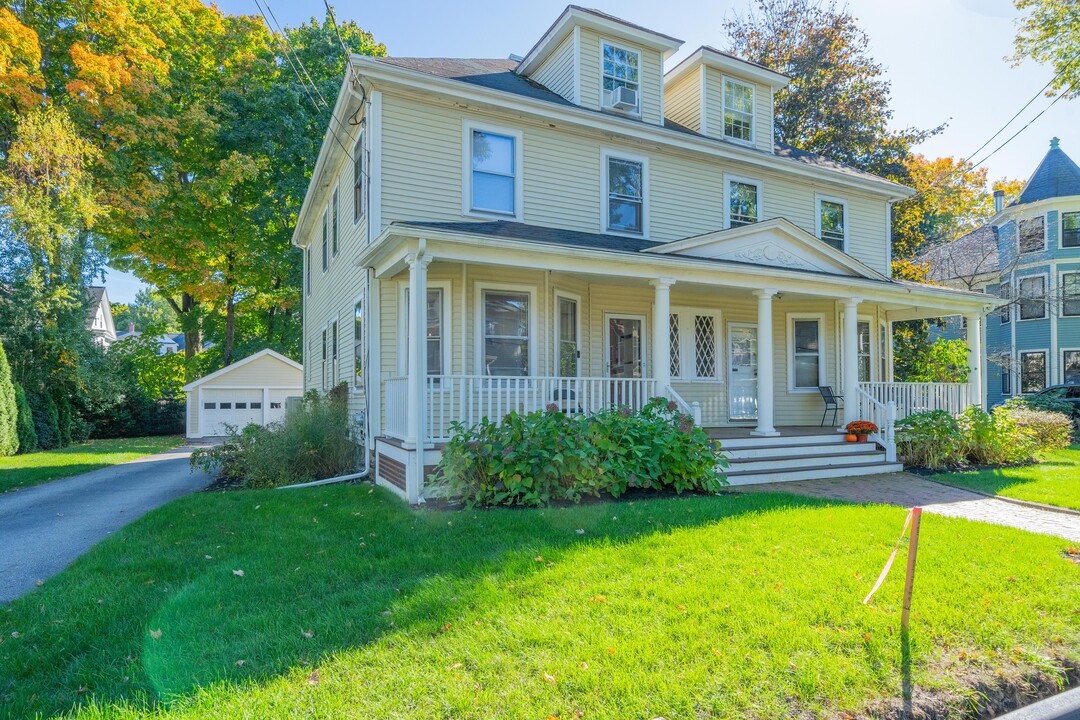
(909, 490)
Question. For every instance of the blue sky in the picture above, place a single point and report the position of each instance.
(945, 58)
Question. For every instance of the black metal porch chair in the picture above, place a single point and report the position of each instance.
(567, 400)
(832, 402)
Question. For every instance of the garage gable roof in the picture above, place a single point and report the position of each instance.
(249, 359)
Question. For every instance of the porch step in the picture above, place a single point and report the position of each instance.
(788, 463)
(778, 451)
(811, 473)
(826, 437)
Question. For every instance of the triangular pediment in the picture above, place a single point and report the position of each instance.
(773, 243)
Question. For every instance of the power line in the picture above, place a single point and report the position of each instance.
(288, 58)
(300, 62)
(1027, 124)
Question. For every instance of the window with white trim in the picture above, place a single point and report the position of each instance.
(1006, 380)
(358, 343)
(883, 352)
(358, 178)
(506, 333)
(806, 357)
(705, 346)
(625, 195)
(1070, 367)
(325, 239)
(621, 69)
(1070, 229)
(695, 344)
(334, 225)
(738, 111)
(437, 360)
(1033, 234)
(832, 222)
(676, 345)
(493, 172)
(864, 351)
(1070, 293)
(744, 202)
(1033, 298)
(1032, 371)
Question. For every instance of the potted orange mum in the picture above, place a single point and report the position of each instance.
(861, 429)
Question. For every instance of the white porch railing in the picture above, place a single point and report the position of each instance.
(884, 416)
(691, 409)
(917, 397)
(394, 393)
(470, 398)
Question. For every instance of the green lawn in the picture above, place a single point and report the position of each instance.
(21, 471)
(1054, 481)
(341, 602)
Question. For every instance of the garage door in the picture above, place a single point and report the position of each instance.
(230, 407)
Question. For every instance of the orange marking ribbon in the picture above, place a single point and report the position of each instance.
(892, 556)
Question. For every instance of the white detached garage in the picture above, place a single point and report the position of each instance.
(252, 390)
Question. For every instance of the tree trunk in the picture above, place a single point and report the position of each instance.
(189, 323)
(230, 330)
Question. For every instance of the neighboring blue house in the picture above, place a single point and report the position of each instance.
(1029, 252)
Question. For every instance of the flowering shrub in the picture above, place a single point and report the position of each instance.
(551, 455)
(861, 427)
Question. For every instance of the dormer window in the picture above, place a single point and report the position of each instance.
(621, 81)
(738, 111)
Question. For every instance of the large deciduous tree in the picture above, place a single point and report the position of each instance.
(1049, 33)
(837, 103)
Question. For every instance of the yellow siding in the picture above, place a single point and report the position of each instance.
(334, 292)
(557, 73)
(422, 176)
(192, 413)
(266, 370)
(682, 100)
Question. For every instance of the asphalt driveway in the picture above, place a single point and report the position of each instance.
(45, 527)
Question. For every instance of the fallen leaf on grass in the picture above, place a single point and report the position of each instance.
(455, 666)
(308, 633)
(156, 634)
(240, 663)
(238, 573)
(549, 678)
(313, 678)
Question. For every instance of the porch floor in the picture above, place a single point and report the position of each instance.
(729, 432)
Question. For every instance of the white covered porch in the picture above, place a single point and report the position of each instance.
(518, 327)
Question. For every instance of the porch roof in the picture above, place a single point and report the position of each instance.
(608, 254)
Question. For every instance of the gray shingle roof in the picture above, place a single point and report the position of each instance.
(1056, 176)
(499, 75)
(537, 233)
(966, 257)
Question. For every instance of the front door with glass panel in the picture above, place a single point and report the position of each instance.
(567, 342)
(624, 347)
(742, 372)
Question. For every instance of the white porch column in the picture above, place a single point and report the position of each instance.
(417, 355)
(662, 334)
(975, 357)
(766, 372)
(850, 372)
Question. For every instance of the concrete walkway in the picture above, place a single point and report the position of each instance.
(45, 527)
(908, 490)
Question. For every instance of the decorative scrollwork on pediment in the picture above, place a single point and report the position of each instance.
(771, 255)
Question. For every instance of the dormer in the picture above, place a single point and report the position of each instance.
(724, 97)
(602, 63)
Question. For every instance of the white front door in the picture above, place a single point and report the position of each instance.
(742, 371)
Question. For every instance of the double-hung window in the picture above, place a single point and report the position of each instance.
(1071, 367)
(1070, 293)
(738, 111)
(358, 178)
(325, 239)
(436, 329)
(1032, 371)
(493, 172)
(621, 70)
(334, 225)
(1070, 229)
(1033, 234)
(832, 222)
(1006, 379)
(506, 333)
(807, 364)
(358, 343)
(625, 195)
(1033, 298)
(744, 202)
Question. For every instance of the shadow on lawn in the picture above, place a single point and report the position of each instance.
(992, 480)
(336, 569)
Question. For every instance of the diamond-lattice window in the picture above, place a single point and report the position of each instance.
(676, 356)
(705, 346)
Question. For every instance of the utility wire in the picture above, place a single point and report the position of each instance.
(300, 62)
(288, 58)
(1026, 125)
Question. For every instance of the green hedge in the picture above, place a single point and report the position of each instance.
(551, 455)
